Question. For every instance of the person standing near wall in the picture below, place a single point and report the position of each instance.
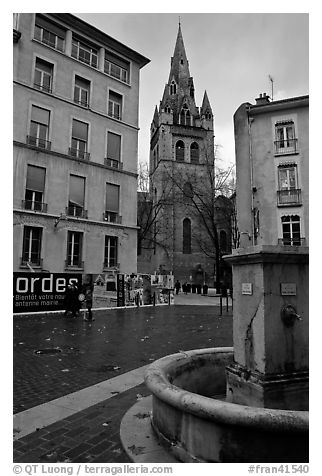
(87, 290)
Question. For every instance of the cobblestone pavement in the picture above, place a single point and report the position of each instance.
(118, 341)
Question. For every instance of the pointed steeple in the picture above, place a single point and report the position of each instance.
(155, 119)
(205, 108)
(179, 63)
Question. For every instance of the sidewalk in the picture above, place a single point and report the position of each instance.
(86, 387)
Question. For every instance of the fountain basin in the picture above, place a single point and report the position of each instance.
(192, 419)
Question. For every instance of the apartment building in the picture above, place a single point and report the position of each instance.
(75, 142)
(272, 163)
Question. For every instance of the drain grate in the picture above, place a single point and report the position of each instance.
(47, 351)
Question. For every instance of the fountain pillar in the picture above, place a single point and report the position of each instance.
(270, 327)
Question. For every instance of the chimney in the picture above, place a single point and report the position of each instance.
(262, 99)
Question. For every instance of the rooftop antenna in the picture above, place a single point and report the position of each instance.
(272, 81)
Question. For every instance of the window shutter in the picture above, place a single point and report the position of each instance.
(40, 115)
(77, 190)
(113, 146)
(80, 130)
(112, 197)
(35, 178)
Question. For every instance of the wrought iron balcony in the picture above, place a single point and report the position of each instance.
(111, 264)
(288, 146)
(38, 142)
(290, 196)
(74, 263)
(112, 217)
(34, 206)
(116, 164)
(292, 241)
(81, 103)
(43, 87)
(76, 211)
(32, 261)
(80, 154)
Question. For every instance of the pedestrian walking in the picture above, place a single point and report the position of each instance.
(184, 288)
(71, 300)
(87, 290)
(177, 286)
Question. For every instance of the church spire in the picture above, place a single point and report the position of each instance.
(179, 63)
(205, 108)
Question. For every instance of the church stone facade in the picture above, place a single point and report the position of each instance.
(181, 147)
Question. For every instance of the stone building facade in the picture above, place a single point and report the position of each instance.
(181, 152)
(272, 159)
(75, 111)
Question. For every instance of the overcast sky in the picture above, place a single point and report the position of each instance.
(230, 55)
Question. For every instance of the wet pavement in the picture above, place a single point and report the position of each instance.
(54, 356)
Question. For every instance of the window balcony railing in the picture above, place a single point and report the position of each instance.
(80, 154)
(288, 146)
(292, 241)
(34, 206)
(290, 196)
(43, 87)
(33, 262)
(81, 103)
(112, 217)
(76, 211)
(115, 164)
(74, 263)
(115, 115)
(38, 142)
(108, 264)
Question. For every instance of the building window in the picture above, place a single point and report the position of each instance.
(186, 236)
(110, 252)
(79, 140)
(112, 203)
(285, 142)
(180, 151)
(173, 87)
(185, 116)
(84, 52)
(35, 186)
(291, 230)
(115, 105)
(116, 67)
(288, 192)
(194, 153)
(49, 33)
(113, 150)
(167, 109)
(43, 75)
(74, 249)
(31, 246)
(39, 128)
(223, 240)
(76, 197)
(81, 91)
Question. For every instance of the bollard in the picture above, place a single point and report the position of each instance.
(221, 305)
(227, 303)
(153, 299)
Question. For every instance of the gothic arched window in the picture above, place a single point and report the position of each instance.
(180, 151)
(185, 116)
(186, 236)
(194, 153)
(167, 109)
(173, 87)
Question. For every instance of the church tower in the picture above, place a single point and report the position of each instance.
(182, 143)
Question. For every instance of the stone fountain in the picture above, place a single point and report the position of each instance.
(248, 403)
